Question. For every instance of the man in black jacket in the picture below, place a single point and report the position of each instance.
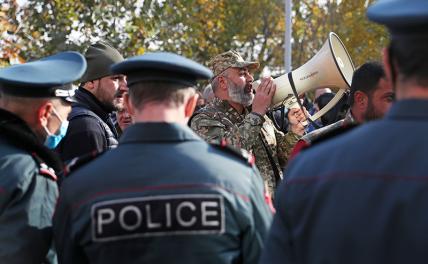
(91, 126)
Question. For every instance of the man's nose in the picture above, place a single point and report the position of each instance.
(123, 87)
(249, 77)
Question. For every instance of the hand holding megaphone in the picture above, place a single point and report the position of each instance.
(298, 120)
(331, 67)
(265, 90)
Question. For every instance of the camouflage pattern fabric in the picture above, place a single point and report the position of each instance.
(228, 59)
(218, 120)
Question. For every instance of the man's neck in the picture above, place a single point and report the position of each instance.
(358, 117)
(237, 106)
(410, 90)
(152, 113)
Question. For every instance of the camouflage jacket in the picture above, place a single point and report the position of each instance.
(250, 131)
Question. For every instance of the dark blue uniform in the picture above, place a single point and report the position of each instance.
(28, 181)
(162, 196)
(359, 198)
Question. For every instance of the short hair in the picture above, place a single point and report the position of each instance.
(158, 91)
(337, 112)
(215, 81)
(366, 79)
(207, 92)
(409, 56)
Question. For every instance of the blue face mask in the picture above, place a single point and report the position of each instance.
(52, 140)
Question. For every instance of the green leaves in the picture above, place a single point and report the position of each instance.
(198, 29)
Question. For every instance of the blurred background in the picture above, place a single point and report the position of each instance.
(197, 29)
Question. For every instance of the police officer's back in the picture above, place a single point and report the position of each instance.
(362, 197)
(164, 195)
(32, 113)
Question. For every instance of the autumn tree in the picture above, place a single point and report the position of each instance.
(48, 26)
(197, 29)
(347, 18)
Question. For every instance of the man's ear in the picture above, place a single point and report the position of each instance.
(361, 101)
(127, 101)
(44, 112)
(92, 85)
(222, 83)
(190, 105)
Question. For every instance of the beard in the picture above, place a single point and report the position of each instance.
(109, 106)
(371, 112)
(241, 94)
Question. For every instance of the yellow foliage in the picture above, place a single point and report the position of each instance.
(141, 51)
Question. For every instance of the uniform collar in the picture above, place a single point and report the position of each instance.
(158, 132)
(409, 109)
(18, 133)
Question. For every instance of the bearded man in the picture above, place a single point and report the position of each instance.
(92, 128)
(238, 116)
(370, 98)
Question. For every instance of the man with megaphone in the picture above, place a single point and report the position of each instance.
(238, 116)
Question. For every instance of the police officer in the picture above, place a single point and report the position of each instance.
(363, 196)
(33, 114)
(164, 195)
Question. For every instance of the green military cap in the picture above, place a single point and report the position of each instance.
(100, 57)
(230, 59)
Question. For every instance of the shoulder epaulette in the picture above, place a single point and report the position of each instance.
(44, 169)
(237, 152)
(333, 133)
(78, 162)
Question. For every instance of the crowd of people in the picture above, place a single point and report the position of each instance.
(137, 166)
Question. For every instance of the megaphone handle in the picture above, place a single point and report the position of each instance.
(293, 87)
(328, 106)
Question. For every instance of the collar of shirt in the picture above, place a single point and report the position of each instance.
(158, 132)
(409, 109)
(89, 101)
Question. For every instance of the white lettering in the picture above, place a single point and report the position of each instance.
(168, 214)
(179, 217)
(127, 226)
(206, 212)
(150, 224)
(102, 220)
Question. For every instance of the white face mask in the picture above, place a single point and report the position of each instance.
(52, 140)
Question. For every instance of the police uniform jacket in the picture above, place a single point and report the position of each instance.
(162, 196)
(91, 128)
(359, 198)
(28, 193)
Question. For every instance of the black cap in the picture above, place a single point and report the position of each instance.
(162, 66)
(100, 57)
(48, 77)
(402, 17)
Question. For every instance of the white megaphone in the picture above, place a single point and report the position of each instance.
(331, 67)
